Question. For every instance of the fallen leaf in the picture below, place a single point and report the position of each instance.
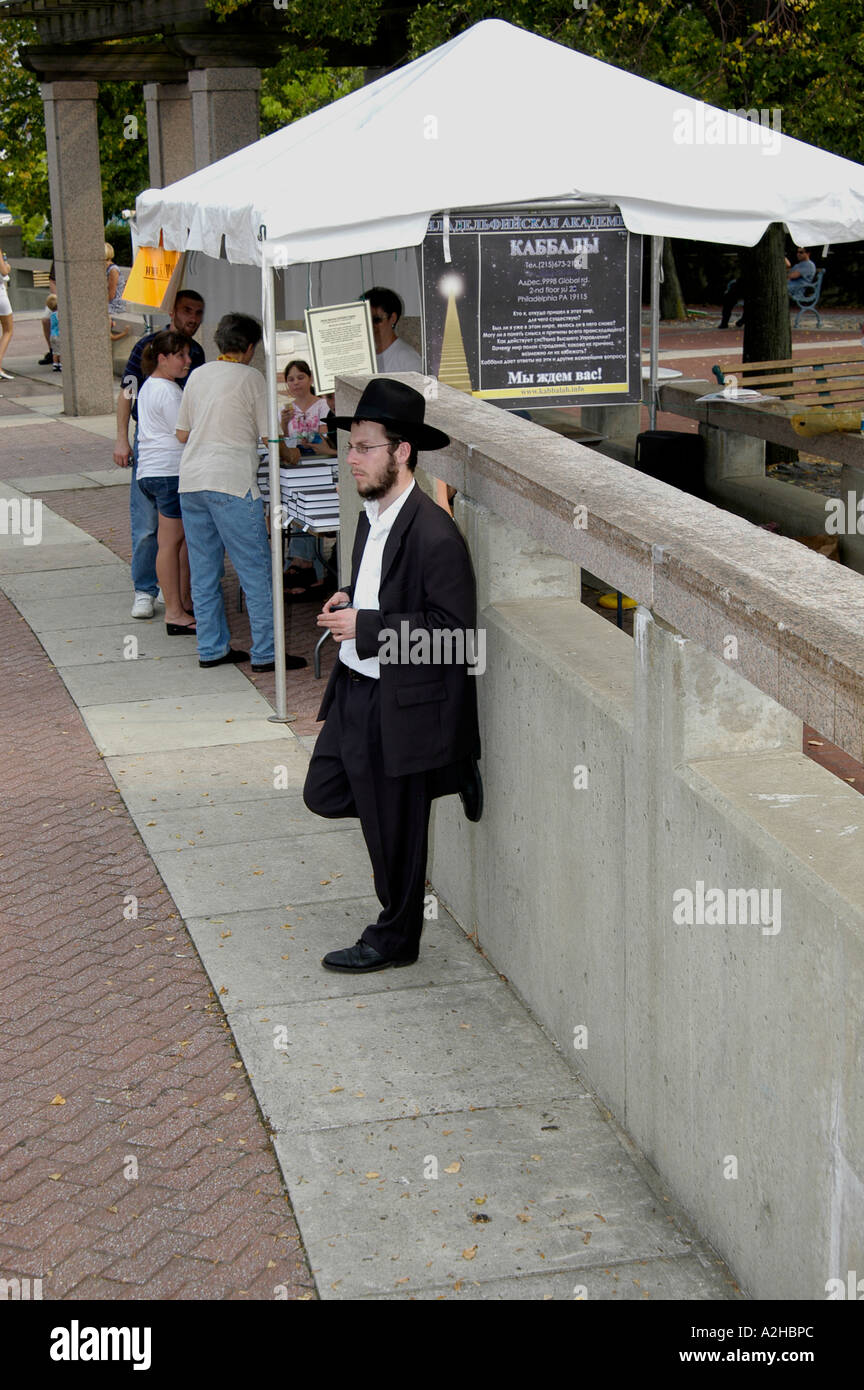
(373, 1175)
(586, 1237)
(480, 1200)
(469, 1253)
(457, 1287)
(54, 1176)
(334, 1089)
(600, 1218)
(229, 1095)
(59, 1100)
(453, 1167)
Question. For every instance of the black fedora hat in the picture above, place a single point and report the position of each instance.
(400, 409)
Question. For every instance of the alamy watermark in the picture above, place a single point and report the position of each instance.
(20, 1290)
(443, 646)
(706, 125)
(21, 516)
(721, 907)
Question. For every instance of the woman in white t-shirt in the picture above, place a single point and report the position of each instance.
(5, 315)
(165, 359)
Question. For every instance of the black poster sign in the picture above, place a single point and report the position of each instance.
(532, 307)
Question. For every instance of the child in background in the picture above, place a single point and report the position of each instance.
(54, 332)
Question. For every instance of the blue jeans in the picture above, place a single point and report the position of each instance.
(213, 523)
(144, 523)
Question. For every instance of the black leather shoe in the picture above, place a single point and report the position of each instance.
(360, 959)
(292, 663)
(231, 657)
(471, 792)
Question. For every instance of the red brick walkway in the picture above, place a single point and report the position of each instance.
(115, 1054)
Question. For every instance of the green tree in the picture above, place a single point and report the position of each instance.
(300, 84)
(23, 161)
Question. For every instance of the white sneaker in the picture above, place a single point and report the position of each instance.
(5, 376)
(143, 606)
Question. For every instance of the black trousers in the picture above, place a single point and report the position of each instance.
(346, 778)
(730, 299)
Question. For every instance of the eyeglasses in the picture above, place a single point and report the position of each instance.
(364, 449)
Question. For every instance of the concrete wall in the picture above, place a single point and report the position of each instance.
(619, 773)
(713, 1045)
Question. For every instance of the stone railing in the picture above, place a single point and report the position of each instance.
(666, 879)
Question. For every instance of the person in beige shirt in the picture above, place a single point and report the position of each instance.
(222, 416)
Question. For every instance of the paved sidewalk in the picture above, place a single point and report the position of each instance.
(434, 1142)
(133, 1163)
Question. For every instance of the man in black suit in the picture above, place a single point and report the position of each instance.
(400, 706)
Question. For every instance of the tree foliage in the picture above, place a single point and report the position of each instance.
(23, 161)
(300, 84)
(804, 56)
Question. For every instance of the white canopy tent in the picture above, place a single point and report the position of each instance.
(497, 116)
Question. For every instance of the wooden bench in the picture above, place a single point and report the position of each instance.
(825, 390)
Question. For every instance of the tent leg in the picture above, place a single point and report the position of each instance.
(656, 264)
(268, 315)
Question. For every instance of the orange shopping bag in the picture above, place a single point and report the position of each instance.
(150, 276)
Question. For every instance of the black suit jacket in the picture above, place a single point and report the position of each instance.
(428, 711)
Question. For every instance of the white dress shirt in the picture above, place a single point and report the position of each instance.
(369, 578)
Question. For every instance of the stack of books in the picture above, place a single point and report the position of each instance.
(309, 494)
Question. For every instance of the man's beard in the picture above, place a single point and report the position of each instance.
(372, 492)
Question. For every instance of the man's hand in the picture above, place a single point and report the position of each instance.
(122, 453)
(341, 624)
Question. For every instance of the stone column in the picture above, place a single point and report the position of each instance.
(169, 132)
(78, 226)
(616, 422)
(224, 111)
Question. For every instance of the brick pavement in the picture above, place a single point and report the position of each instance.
(115, 1051)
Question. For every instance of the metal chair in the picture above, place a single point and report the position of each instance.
(808, 297)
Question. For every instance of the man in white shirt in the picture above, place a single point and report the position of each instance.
(400, 708)
(391, 353)
(222, 416)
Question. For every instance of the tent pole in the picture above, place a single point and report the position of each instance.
(656, 264)
(268, 316)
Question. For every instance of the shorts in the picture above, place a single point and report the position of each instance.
(164, 495)
(55, 343)
(5, 306)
